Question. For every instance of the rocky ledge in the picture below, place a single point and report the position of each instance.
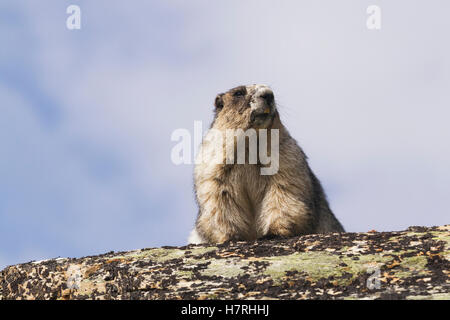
(411, 264)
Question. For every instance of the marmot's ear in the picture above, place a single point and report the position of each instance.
(218, 103)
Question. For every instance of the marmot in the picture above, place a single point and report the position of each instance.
(237, 202)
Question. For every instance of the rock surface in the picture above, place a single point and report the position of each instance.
(411, 264)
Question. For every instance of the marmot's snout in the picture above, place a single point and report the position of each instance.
(262, 105)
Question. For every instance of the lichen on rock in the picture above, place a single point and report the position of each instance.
(411, 264)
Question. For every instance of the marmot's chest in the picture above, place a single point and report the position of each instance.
(247, 182)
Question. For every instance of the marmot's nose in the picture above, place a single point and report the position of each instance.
(268, 97)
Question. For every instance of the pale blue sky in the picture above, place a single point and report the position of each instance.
(86, 115)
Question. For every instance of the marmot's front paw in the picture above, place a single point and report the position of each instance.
(271, 236)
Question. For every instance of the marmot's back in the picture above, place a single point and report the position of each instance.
(253, 179)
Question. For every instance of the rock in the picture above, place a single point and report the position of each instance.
(411, 264)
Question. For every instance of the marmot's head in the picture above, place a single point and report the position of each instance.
(245, 107)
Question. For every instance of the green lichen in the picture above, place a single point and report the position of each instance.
(415, 266)
(402, 252)
(162, 255)
(365, 263)
(316, 264)
(227, 269)
(320, 265)
(357, 297)
(435, 296)
(184, 273)
(157, 254)
(200, 251)
(442, 236)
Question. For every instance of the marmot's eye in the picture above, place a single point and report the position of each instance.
(239, 93)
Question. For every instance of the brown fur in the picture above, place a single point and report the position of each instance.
(237, 202)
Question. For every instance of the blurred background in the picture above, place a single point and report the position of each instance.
(86, 116)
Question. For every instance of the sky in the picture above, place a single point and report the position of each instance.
(86, 116)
